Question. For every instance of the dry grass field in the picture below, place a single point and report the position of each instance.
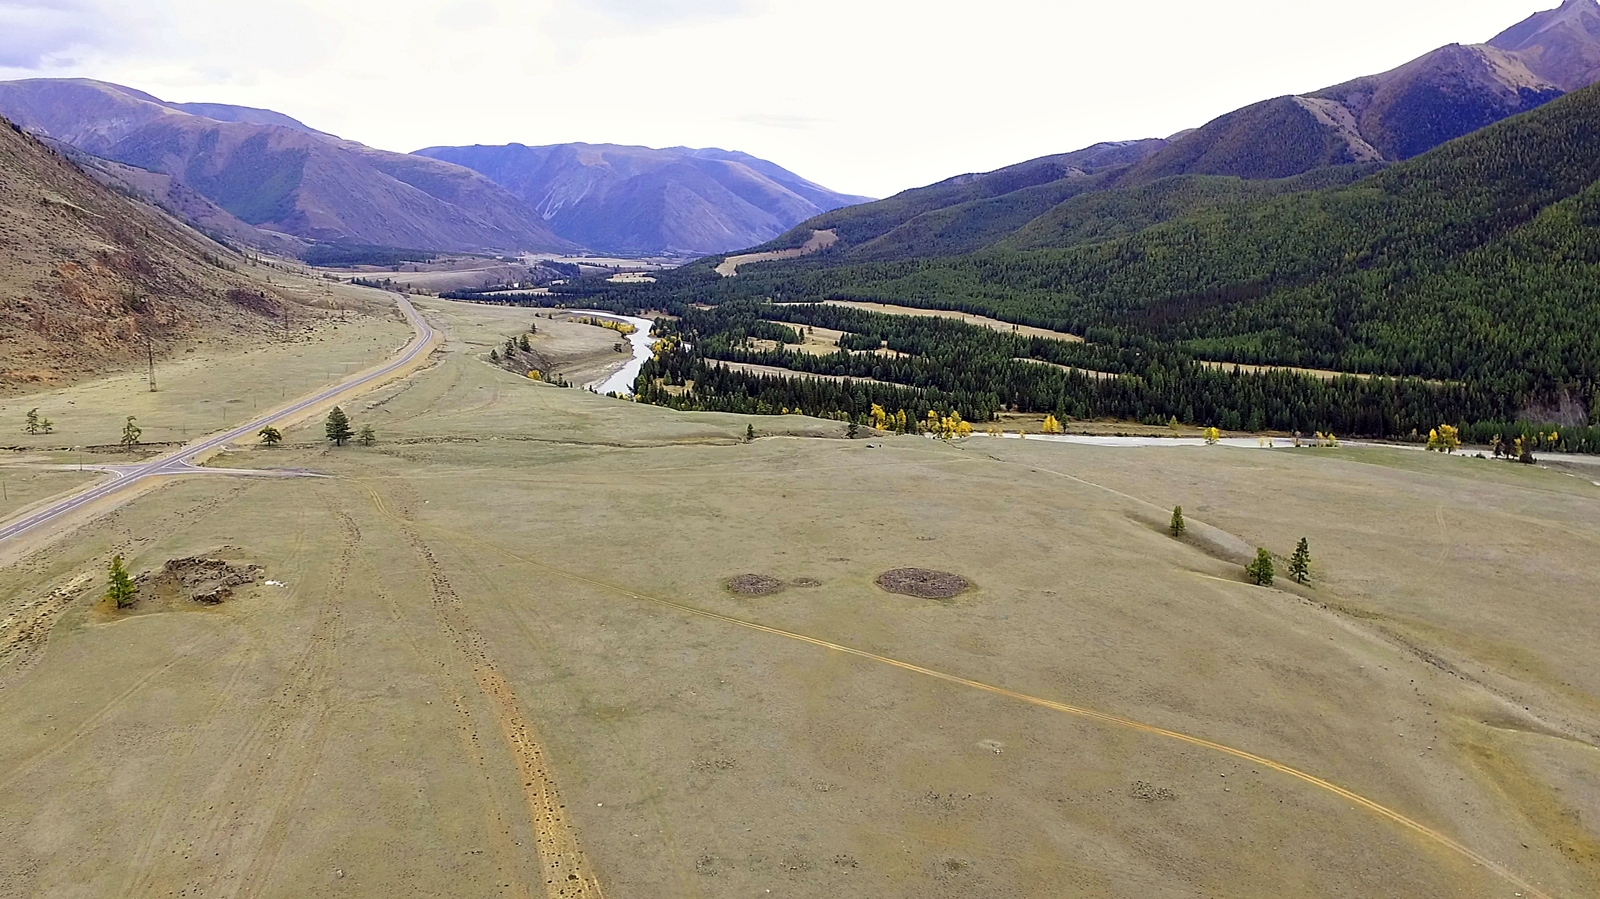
(503, 661)
(992, 324)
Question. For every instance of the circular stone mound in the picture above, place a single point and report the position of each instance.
(921, 582)
(755, 585)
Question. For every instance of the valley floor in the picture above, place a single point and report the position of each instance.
(501, 660)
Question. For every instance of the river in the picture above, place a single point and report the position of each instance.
(622, 381)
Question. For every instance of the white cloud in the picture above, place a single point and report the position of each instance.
(866, 96)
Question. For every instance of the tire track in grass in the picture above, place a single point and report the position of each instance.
(231, 832)
(1405, 822)
(566, 869)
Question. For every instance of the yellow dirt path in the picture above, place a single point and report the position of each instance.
(1106, 718)
(567, 871)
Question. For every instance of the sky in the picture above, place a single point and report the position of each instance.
(864, 96)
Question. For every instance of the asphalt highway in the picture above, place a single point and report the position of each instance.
(182, 461)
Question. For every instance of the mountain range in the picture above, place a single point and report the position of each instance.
(1331, 135)
(279, 176)
(639, 201)
(268, 180)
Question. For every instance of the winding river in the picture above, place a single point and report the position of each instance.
(622, 381)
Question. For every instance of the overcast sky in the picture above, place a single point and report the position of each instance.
(864, 96)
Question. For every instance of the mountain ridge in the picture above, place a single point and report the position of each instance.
(644, 201)
(1380, 119)
(282, 177)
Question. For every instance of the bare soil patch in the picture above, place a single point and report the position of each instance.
(924, 583)
(755, 585)
(805, 583)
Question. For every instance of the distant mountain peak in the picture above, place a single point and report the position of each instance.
(1561, 45)
(619, 198)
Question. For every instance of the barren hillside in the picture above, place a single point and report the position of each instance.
(87, 275)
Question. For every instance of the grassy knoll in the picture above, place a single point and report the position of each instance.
(506, 627)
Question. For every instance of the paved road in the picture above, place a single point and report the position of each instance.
(181, 462)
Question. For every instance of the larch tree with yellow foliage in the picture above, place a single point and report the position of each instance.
(1444, 439)
(1051, 425)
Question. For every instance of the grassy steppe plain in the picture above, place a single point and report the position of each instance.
(475, 606)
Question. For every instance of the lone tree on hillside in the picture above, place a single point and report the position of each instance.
(1261, 570)
(121, 589)
(130, 434)
(524, 345)
(749, 433)
(1300, 564)
(338, 427)
(368, 436)
(1178, 527)
(271, 436)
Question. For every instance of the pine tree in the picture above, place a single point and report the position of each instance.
(32, 424)
(524, 345)
(1178, 526)
(270, 436)
(749, 433)
(368, 436)
(1300, 564)
(46, 425)
(852, 430)
(121, 590)
(130, 434)
(338, 426)
(1261, 570)
(494, 356)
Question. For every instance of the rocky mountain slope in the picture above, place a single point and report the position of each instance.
(1398, 114)
(636, 200)
(86, 275)
(276, 174)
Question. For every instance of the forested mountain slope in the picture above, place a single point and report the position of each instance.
(87, 275)
(1338, 133)
(641, 201)
(1474, 262)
